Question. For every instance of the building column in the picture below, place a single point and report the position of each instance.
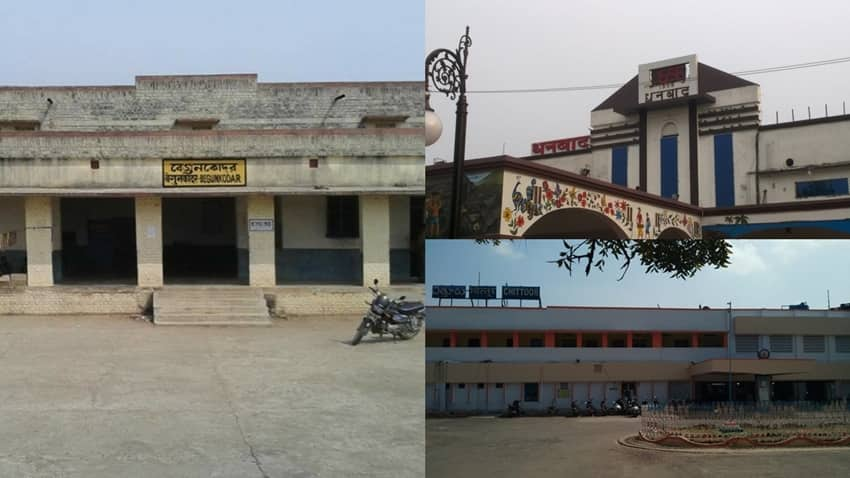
(628, 339)
(549, 339)
(604, 339)
(149, 241)
(375, 238)
(242, 239)
(261, 263)
(656, 340)
(516, 339)
(452, 339)
(484, 339)
(38, 212)
(57, 239)
(578, 339)
(694, 340)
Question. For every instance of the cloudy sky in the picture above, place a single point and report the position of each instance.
(762, 273)
(96, 42)
(554, 43)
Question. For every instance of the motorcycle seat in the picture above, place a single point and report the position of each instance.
(410, 307)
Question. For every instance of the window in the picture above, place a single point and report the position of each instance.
(343, 217)
(842, 344)
(814, 344)
(782, 344)
(616, 340)
(746, 343)
(669, 166)
(619, 165)
(447, 342)
(461, 386)
(535, 342)
(591, 340)
(824, 187)
(480, 386)
(500, 385)
(642, 340)
(563, 390)
(509, 342)
(565, 340)
(195, 123)
(710, 340)
(382, 121)
(532, 392)
(473, 343)
(676, 340)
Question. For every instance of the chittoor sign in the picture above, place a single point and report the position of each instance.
(187, 173)
(561, 145)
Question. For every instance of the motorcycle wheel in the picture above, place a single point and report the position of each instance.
(361, 331)
(411, 330)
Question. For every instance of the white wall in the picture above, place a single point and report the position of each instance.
(12, 220)
(655, 122)
(304, 221)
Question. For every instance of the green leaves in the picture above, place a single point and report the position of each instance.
(681, 259)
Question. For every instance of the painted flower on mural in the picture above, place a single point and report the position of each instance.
(507, 214)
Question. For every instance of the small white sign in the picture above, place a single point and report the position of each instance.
(151, 232)
(261, 224)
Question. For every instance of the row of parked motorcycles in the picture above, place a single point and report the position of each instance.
(626, 407)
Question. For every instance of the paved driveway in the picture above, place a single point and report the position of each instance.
(578, 447)
(108, 397)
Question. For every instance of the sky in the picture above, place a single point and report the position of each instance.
(561, 43)
(107, 42)
(761, 274)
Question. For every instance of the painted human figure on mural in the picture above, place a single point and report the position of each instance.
(639, 224)
(433, 205)
(648, 225)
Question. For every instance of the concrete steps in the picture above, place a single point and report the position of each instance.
(210, 306)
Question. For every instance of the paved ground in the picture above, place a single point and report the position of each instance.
(108, 397)
(577, 447)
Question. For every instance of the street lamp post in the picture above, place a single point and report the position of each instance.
(729, 349)
(445, 71)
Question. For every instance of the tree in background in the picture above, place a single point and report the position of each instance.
(680, 259)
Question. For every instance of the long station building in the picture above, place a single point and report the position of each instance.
(681, 150)
(214, 177)
(480, 359)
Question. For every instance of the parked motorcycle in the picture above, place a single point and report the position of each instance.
(390, 317)
(574, 411)
(514, 410)
(619, 407)
(633, 408)
(589, 409)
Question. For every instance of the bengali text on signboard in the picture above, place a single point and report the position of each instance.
(482, 292)
(178, 173)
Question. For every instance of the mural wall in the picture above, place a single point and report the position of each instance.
(480, 211)
(526, 199)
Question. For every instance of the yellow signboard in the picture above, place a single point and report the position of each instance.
(188, 173)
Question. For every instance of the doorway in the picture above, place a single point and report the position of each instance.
(98, 240)
(199, 240)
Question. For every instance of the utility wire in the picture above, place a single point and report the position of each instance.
(759, 71)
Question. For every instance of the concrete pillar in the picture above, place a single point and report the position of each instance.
(261, 263)
(657, 341)
(578, 339)
(452, 339)
(484, 342)
(629, 339)
(242, 239)
(149, 241)
(549, 339)
(38, 211)
(375, 238)
(605, 339)
(57, 239)
(516, 339)
(694, 339)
